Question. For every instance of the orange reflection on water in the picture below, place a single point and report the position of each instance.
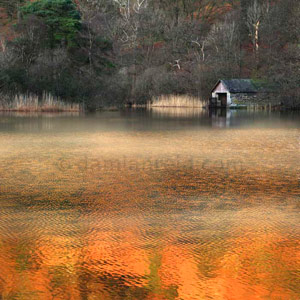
(109, 259)
(191, 214)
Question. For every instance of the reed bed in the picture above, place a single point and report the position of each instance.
(34, 103)
(176, 101)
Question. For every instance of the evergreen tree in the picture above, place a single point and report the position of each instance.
(60, 16)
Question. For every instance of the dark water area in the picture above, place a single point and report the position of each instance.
(165, 203)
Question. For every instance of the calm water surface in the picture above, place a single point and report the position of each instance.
(161, 204)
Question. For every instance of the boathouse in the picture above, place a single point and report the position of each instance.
(233, 92)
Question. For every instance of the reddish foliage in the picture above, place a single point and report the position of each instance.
(158, 45)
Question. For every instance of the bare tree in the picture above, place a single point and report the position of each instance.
(255, 14)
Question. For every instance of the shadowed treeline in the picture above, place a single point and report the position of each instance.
(112, 53)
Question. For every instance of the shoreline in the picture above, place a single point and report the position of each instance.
(46, 110)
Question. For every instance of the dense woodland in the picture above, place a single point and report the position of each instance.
(109, 52)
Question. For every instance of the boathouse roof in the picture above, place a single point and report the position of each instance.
(240, 85)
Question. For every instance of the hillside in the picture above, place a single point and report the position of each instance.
(134, 50)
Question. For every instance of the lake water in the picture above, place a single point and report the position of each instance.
(160, 204)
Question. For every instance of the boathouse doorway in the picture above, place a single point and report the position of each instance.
(223, 98)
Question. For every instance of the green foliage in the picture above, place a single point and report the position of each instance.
(60, 16)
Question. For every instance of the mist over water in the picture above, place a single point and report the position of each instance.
(160, 204)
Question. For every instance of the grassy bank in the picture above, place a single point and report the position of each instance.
(34, 103)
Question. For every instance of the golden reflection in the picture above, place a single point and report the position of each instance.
(191, 214)
(113, 257)
(177, 112)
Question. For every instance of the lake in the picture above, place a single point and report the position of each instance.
(161, 204)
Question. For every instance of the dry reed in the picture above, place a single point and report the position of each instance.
(34, 103)
(176, 101)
